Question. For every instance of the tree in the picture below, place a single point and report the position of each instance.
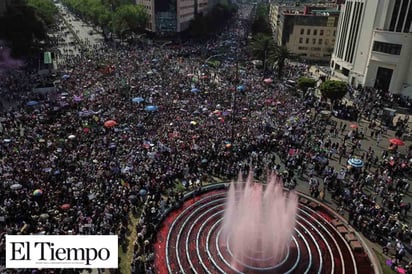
(304, 83)
(261, 22)
(22, 28)
(333, 90)
(261, 48)
(129, 17)
(120, 15)
(279, 56)
(213, 21)
(45, 9)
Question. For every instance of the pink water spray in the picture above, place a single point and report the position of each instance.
(259, 222)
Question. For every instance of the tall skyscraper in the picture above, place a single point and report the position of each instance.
(374, 44)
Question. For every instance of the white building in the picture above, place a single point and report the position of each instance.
(374, 44)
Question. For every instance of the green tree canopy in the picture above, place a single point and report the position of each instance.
(216, 19)
(262, 47)
(261, 22)
(45, 9)
(22, 28)
(122, 15)
(304, 83)
(333, 90)
(129, 17)
(279, 56)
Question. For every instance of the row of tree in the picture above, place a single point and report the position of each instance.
(330, 89)
(118, 16)
(263, 47)
(215, 20)
(24, 26)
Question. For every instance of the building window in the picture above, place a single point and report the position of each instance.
(314, 41)
(316, 49)
(308, 32)
(302, 31)
(300, 40)
(395, 12)
(334, 33)
(408, 20)
(315, 32)
(320, 41)
(389, 48)
(302, 48)
(307, 40)
(321, 32)
(326, 42)
(328, 32)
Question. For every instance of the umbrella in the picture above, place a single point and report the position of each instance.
(397, 141)
(16, 186)
(195, 90)
(401, 270)
(193, 123)
(137, 100)
(65, 206)
(37, 193)
(355, 162)
(240, 88)
(71, 136)
(133, 198)
(353, 126)
(321, 159)
(66, 76)
(77, 98)
(110, 123)
(32, 103)
(44, 216)
(142, 192)
(151, 108)
(268, 81)
(190, 75)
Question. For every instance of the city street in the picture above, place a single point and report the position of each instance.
(74, 34)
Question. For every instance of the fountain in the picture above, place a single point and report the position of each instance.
(258, 222)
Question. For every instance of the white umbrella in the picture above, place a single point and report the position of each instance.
(355, 162)
(16, 186)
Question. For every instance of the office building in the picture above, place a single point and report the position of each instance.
(170, 16)
(374, 44)
(308, 31)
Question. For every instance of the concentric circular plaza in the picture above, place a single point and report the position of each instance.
(190, 241)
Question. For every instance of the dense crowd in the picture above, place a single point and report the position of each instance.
(125, 126)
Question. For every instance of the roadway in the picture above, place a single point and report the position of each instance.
(74, 34)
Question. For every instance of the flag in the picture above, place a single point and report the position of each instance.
(123, 183)
(47, 57)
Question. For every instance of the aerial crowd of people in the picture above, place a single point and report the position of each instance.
(125, 127)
